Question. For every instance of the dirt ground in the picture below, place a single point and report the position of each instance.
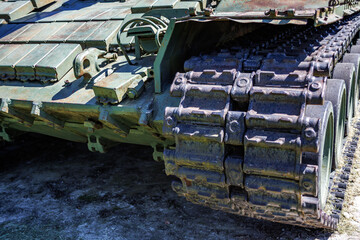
(54, 189)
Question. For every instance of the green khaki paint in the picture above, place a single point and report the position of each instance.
(155, 72)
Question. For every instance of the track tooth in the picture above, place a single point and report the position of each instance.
(338, 206)
(340, 195)
(247, 181)
(342, 185)
(344, 176)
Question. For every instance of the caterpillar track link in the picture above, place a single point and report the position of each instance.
(252, 105)
(255, 126)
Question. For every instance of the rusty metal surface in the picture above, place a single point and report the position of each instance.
(113, 88)
(41, 3)
(41, 62)
(11, 31)
(239, 105)
(86, 64)
(244, 126)
(263, 5)
(58, 62)
(143, 6)
(62, 34)
(7, 49)
(30, 32)
(47, 31)
(104, 36)
(15, 10)
(164, 4)
(114, 14)
(7, 64)
(84, 32)
(25, 68)
(90, 34)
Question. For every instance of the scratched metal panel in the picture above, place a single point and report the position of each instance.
(8, 28)
(63, 16)
(65, 32)
(33, 17)
(84, 32)
(41, 17)
(201, 2)
(13, 33)
(143, 6)
(113, 14)
(49, 30)
(7, 64)
(187, 5)
(69, 15)
(58, 62)
(30, 32)
(104, 35)
(261, 5)
(53, 17)
(6, 49)
(164, 4)
(91, 14)
(115, 86)
(15, 10)
(41, 3)
(25, 68)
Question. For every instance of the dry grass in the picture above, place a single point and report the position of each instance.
(349, 226)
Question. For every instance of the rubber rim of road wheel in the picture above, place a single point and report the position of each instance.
(336, 94)
(355, 59)
(326, 140)
(346, 72)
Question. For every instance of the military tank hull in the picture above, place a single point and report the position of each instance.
(249, 104)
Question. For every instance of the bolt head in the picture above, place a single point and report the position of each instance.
(307, 185)
(242, 82)
(310, 133)
(170, 121)
(175, 130)
(315, 86)
(132, 93)
(178, 81)
(234, 127)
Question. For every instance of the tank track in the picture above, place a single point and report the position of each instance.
(224, 128)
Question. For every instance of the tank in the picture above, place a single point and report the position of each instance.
(248, 103)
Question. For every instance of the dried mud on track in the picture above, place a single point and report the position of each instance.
(54, 189)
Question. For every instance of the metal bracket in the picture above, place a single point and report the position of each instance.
(241, 88)
(38, 113)
(143, 29)
(146, 113)
(3, 134)
(86, 63)
(158, 153)
(95, 145)
(235, 128)
(7, 111)
(106, 119)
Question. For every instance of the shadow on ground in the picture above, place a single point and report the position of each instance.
(54, 189)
